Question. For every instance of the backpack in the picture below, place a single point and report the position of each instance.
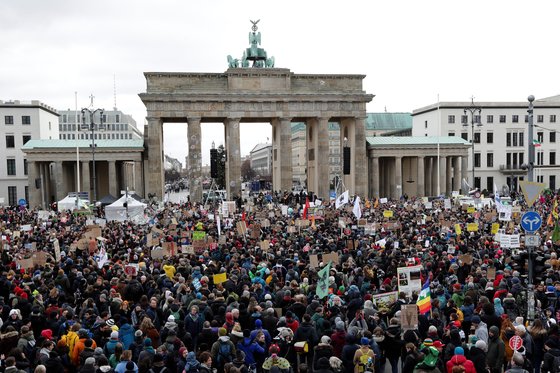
(366, 363)
(460, 315)
(556, 365)
(224, 353)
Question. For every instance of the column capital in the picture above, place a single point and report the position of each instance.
(285, 119)
(193, 120)
(150, 118)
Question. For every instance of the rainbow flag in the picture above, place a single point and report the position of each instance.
(424, 301)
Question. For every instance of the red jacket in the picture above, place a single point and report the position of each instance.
(460, 360)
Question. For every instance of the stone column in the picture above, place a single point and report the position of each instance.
(44, 196)
(398, 178)
(154, 141)
(442, 175)
(33, 174)
(456, 174)
(112, 167)
(322, 158)
(311, 156)
(429, 170)
(420, 191)
(359, 169)
(137, 172)
(195, 159)
(86, 183)
(464, 172)
(233, 163)
(47, 182)
(375, 177)
(59, 181)
(285, 153)
(448, 176)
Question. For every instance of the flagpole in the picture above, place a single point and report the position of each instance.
(438, 160)
(77, 148)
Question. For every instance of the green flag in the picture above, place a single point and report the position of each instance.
(556, 233)
(323, 282)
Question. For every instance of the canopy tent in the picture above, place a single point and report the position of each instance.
(117, 211)
(69, 203)
(107, 200)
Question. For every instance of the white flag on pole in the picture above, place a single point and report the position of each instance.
(341, 200)
(357, 210)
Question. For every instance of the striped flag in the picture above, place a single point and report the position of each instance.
(537, 143)
(424, 301)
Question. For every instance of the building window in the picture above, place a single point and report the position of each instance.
(552, 137)
(552, 118)
(118, 118)
(27, 193)
(64, 120)
(540, 118)
(12, 195)
(508, 139)
(464, 119)
(489, 138)
(540, 158)
(25, 167)
(8, 119)
(11, 167)
(477, 119)
(540, 137)
(552, 158)
(451, 119)
(515, 118)
(25, 139)
(10, 141)
(490, 183)
(526, 119)
(502, 118)
(477, 159)
(477, 138)
(521, 158)
(508, 159)
(489, 119)
(514, 138)
(465, 136)
(477, 182)
(521, 138)
(25, 119)
(489, 159)
(552, 182)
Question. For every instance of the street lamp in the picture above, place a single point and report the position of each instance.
(91, 127)
(475, 118)
(531, 165)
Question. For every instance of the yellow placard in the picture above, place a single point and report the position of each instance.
(472, 227)
(471, 210)
(458, 229)
(388, 213)
(219, 278)
(495, 228)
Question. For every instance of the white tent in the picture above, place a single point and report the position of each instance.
(117, 211)
(69, 203)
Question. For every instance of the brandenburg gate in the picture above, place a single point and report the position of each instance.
(257, 93)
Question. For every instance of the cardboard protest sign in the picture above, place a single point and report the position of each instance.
(331, 257)
(265, 223)
(314, 261)
(302, 223)
(471, 210)
(472, 227)
(131, 269)
(384, 301)
(169, 248)
(466, 258)
(222, 240)
(26, 227)
(56, 246)
(25, 263)
(241, 228)
(198, 235)
(292, 229)
(219, 278)
(264, 245)
(409, 317)
(491, 273)
(362, 223)
(157, 253)
(458, 230)
(388, 213)
(255, 231)
(495, 228)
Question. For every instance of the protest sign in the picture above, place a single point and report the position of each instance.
(388, 213)
(409, 279)
(472, 227)
(384, 301)
(314, 261)
(331, 257)
(198, 235)
(409, 317)
(241, 228)
(491, 273)
(169, 248)
(56, 246)
(26, 227)
(157, 253)
(131, 269)
(219, 278)
(264, 245)
(466, 258)
(495, 228)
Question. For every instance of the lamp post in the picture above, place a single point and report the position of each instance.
(474, 110)
(531, 165)
(91, 128)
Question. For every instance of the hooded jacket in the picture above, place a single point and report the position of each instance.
(460, 360)
(126, 335)
(496, 350)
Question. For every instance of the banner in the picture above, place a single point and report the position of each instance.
(323, 282)
(383, 302)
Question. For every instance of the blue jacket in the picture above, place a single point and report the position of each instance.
(126, 335)
(250, 348)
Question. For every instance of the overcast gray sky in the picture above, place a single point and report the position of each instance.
(410, 50)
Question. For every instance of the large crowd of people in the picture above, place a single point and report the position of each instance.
(145, 297)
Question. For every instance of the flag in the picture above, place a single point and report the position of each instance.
(555, 209)
(368, 204)
(424, 301)
(323, 282)
(536, 143)
(304, 215)
(219, 224)
(376, 204)
(341, 200)
(556, 233)
(357, 210)
(243, 216)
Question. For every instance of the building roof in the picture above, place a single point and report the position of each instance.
(260, 147)
(65, 144)
(28, 104)
(388, 121)
(415, 140)
(547, 102)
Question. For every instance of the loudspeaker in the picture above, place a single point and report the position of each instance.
(213, 163)
(346, 160)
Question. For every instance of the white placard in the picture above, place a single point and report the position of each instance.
(383, 200)
(447, 204)
(26, 227)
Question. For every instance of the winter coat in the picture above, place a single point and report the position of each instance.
(126, 335)
(548, 360)
(460, 360)
(78, 348)
(250, 348)
(322, 350)
(495, 354)
(306, 332)
(478, 357)
(338, 340)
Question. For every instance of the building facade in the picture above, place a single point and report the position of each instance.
(261, 159)
(21, 121)
(500, 134)
(116, 126)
